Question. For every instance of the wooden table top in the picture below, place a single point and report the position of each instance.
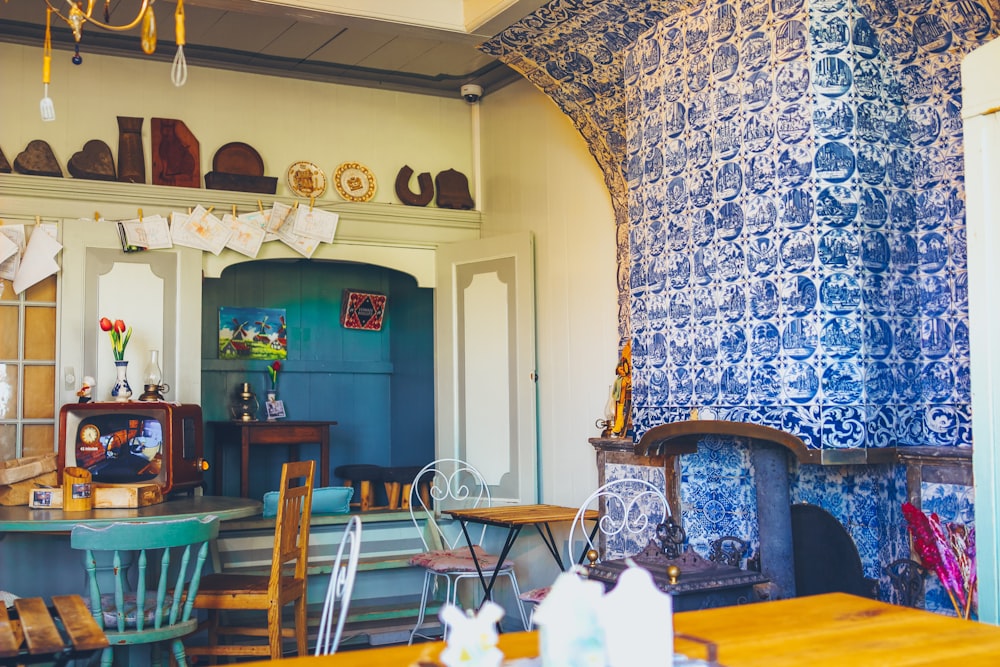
(34, 632)
(836, 630)
(518, 515)
(832, 630)
(23, 519)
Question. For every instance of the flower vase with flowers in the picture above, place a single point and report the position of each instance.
(274, 408)
(120, 336)
(272, 372)
(949, 550)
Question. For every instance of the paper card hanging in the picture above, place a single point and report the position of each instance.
(362, 310)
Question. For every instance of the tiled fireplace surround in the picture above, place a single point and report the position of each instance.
(711, 481)
(788, 184)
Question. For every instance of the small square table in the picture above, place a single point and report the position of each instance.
(514, 518)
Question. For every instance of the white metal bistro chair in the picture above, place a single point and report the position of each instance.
(630, 511)
(340, 588)
(453, 484)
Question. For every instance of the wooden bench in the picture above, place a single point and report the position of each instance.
(37, 633)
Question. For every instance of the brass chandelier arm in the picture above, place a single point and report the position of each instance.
(77, 17)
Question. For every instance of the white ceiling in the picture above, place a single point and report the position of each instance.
(424, 46)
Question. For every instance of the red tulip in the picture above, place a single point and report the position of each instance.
(119, 326)
(105, 324)
(276, 366)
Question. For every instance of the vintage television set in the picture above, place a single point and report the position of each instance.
(134, 442)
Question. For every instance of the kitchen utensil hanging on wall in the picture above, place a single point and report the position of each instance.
(48, 109)
(179, 70)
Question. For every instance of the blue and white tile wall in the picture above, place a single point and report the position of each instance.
(788, 180)
(797, 251)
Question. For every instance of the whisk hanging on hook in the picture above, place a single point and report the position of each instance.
(46, 107)
(179, 70)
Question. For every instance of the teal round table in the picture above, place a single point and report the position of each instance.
(37, 561)
(23, 519)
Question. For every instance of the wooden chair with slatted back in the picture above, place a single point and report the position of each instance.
(168, 557)
(285, 584)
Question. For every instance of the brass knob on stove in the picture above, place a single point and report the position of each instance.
(673, 574)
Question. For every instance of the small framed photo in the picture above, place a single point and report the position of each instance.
(275, 409)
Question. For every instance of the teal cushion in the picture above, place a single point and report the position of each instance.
(326, 500)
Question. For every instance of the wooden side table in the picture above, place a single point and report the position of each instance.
(292, 433)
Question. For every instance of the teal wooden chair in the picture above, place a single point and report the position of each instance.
(156, 606)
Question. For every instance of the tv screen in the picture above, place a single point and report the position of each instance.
(120, 448)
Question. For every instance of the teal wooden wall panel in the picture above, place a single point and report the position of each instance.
(378, 386)
(412, 397)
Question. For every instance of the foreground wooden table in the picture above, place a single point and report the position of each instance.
(833, 630)
(33, 635)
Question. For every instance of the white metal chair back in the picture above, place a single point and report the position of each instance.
(442, 485)
(341, 587)
(630, 511)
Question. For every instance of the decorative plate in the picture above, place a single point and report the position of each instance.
(306, 179)
(354, 182)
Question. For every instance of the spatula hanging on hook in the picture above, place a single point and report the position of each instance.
(47, 108)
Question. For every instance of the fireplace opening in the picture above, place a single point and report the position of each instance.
(826, 560)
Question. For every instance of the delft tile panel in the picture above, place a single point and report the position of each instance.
(789, 194)
(795, 236)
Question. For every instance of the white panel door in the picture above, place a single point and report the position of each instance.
(485, 362)
(156, 292)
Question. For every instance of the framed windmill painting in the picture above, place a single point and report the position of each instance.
(252, 333)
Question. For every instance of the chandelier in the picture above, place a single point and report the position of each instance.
(81, 12)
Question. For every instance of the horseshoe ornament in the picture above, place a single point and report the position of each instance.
(406, 195)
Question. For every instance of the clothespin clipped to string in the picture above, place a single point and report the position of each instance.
(140, 215)
(260, 206)
(234, 210)
(312, 202)
(97, 216)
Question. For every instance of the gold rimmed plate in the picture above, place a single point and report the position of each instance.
(306, 180)
(354, 182)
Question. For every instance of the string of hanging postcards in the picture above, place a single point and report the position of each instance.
(301, 228)
(27, 260)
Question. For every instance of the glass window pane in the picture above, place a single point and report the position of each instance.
(8, 391)
(38, 439)
(8, 442)
(40, 333)
(8, 325)
(7, 291)
(39, 395)
(43, 292)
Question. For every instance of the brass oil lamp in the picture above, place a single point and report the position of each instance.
(245, 405)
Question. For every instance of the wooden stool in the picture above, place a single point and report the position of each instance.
(398, 482)
(364, 475)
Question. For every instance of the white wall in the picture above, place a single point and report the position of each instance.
(286, 120)
(982, 137)
(538, 175)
